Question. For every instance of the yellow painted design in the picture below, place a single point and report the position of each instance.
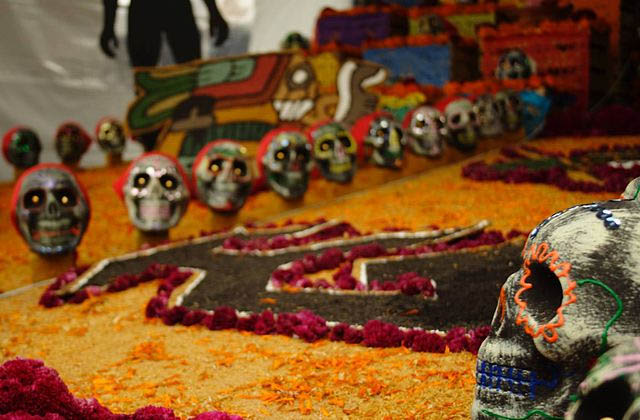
(168, 103)
(262, 113)
(172, 143)
(326, 66)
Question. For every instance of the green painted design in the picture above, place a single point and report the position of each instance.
(528, 415)
(637, 192)
(226, 71)
(574, 397)
(605, 333)
(156, 90)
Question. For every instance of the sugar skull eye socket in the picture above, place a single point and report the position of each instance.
(346, 141)
(65, 196)
(326, 145)
(473, 116)
(281, 154)
(215, 166)
(34, 198)
(239, 168)
(456, 119)
(421, 123)
(141, 180)
(168, 182)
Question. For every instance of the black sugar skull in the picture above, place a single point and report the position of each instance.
(110, 135)
(50, 209)
(611, 390)
(576, 296)
(427, 131)
(71, 143)
(21, 147)
(222, 176)
(284, 160)
(509, 109)
(383, 137)
(334, 151)
(488, 114)
(155, 191)
(462, 122)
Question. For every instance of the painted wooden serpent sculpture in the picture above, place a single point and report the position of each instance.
(576, 295)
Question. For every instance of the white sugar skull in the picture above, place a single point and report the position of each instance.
(612, 387)
(334, 151)
(576, 295)
(155, 192)
(50, 209)
(286, 162)
(427, 131)
(222, 175)
(488, 113)
(462, 122)
(110, 136)
(509, 108)
(385, 139)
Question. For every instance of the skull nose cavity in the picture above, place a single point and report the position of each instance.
(545, 295)
(53, 210)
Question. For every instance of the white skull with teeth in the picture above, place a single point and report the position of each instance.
(576, 295)
(155, 193)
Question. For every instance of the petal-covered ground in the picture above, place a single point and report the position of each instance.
(106, 348)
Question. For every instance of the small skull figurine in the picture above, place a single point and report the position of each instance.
(110, 136)
(50, 209)
(426, 127)
(488, 113)
(334, 151)
(383, 136)
(576, 295)
(222, 176)
(156, 192)
(612, 387)
(510, 109)
(515, 64)
(462, 122)
(284, 160)
(21, 147)
(71, 142)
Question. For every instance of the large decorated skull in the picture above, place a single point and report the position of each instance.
(509, 109)
(110, 135)
(382, 136)
(488, 113)
(426, 128)
(612, 387)
(156, 192)
(462, 122)
(284, 160)
(71, 142)
(222, 176)
(21, 147)
(334, 151)
(576, 295)
(50, 209)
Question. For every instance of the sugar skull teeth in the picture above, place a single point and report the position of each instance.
(546, 320)
(50, 209)
(427, 132)
(285, 162)
(155, 192)
(222, 175)
(334, 151)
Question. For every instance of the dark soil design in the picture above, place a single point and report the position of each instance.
(468, 283)
(239, 281)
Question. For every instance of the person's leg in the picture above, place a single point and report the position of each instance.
(143, 37)
(182, 32)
